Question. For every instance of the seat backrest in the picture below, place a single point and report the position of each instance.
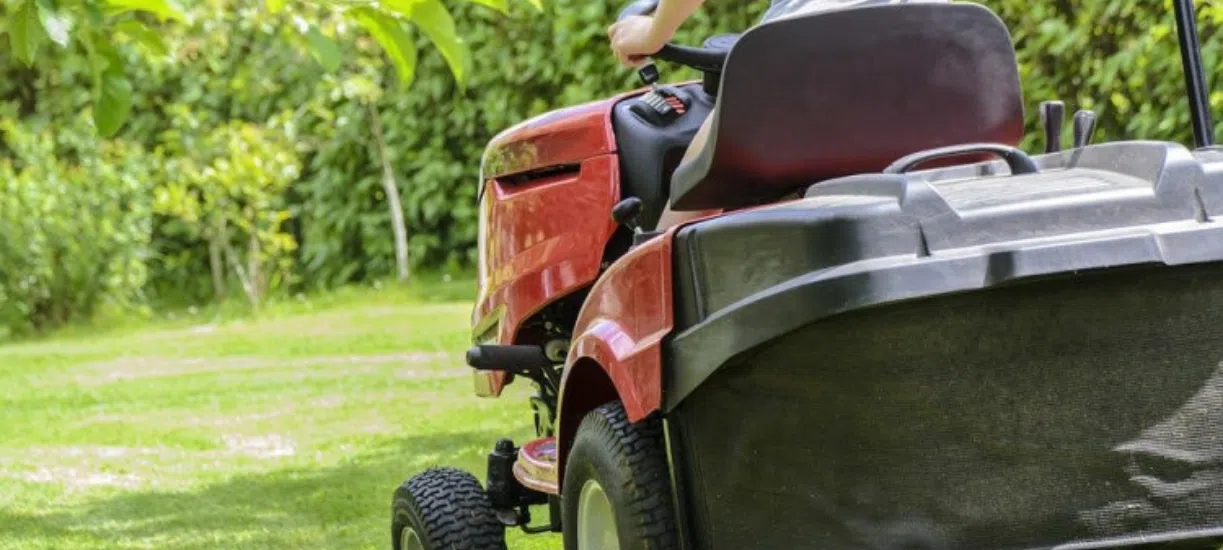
(835, 93)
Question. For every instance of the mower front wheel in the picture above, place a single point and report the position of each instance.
(444, 509)
(617, 493)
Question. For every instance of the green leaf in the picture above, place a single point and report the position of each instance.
(432, 17)
(499, 5)
(25, 32)
(537, 4)
(393, 38)
(165, 9)
(113, 105)
(55, 23)
(275, 6)
(112, 94)
(147, 37)
(95, 15)
(324, 50)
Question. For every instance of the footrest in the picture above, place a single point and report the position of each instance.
(536, 466)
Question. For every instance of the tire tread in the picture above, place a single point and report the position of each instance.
(451, 511)
(637, 450)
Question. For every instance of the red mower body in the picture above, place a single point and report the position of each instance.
(862, 350)
(533, 253)
(554, 264)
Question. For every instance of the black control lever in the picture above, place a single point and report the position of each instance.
(626, 213)
(648, 74)
(1052, 115)
(1084, 128)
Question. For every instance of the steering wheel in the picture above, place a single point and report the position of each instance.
(706, 59)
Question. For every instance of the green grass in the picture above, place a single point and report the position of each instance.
(207, 431)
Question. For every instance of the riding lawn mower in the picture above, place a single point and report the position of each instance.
(896, 330)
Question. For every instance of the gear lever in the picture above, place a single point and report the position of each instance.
(648, 74)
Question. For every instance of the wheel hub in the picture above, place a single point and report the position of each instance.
(596, 520)
(409, 540)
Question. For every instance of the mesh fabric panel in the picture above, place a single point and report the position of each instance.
(1059, 411)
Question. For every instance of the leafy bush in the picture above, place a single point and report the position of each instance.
(231, 67)
(1117, 57)
(76, 228)
(523, 65)
(226, 190)
(92, 26)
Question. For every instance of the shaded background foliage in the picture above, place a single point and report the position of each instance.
(237, 64)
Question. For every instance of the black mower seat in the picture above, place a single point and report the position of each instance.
(848, 91)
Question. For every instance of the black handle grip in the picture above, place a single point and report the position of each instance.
(1018, 161)
(1084, 128)
(1052, 116)
(515, 359)
(702, 59)
(627, 211)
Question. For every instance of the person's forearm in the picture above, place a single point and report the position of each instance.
(670, 14)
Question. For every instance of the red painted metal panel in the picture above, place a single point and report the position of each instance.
(620, 331)
(540, 242)
(623, 322)
(542, 239)
(564, 136)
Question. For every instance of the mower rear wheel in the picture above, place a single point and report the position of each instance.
(617, 494)
(444, 509)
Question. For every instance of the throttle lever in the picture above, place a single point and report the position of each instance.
(1084, 128)
(1052, 114)
(648, 74)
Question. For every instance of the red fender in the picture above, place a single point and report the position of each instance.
(620, 331)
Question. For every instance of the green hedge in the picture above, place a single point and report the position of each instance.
(239, 64)
(1117, 57)
(75, 234)
(524, 65)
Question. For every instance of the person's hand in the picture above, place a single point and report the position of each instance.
(634, 38)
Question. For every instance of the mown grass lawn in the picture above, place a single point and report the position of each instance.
(286, 431)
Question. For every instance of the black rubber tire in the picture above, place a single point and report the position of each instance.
(448, 509)
(629, 462)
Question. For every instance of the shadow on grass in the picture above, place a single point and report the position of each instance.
(346, 506)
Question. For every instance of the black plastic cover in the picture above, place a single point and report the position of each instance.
(958, 359)
(1080, 410)
(860, 241)
(649, 151)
